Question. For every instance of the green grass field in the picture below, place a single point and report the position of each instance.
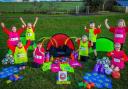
(48, 26)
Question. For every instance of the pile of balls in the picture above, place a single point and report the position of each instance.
(8, 59)
(103, 66)
(99, 80)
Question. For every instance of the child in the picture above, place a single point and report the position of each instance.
(14, 35)
(83, 47)
(118, 58)
(30, 29)
(119, 31)
(20, 53)
(93, 31)
(39, 55)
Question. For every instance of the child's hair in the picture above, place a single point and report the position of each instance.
(19, 41)
(118, 45)
(84, 36)
(29, 23)
(122, 20)
(39, 42)
(12, 26)
(91, 22)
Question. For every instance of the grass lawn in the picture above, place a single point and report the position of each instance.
(48, 26)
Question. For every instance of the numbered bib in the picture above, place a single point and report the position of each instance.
(20, 55)
(119, 35)
(82, 48)
(38, 57)
(14, 39)
(29, 34)
(116, 60)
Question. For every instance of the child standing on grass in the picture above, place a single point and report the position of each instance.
(119, 31)
(118, 58)
(14, 35)
(83, 47)
(93, 31)
(30, 29)
(20, 53)
(39, 55)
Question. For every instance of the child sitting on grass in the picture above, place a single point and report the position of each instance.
(83, 47)
(39, 55)
(118, 31)
(30, 29)
(20, 54)
(93, 31)
(14, 35)
(118, 58)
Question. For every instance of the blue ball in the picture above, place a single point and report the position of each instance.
(98, 85)
(2, 75)
(108, 80)
(12, 78)
(107, 85)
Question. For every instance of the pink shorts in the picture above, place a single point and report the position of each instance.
(118, 64)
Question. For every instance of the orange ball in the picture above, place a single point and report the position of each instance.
(116, 74)
(88, 86)
(92, 84)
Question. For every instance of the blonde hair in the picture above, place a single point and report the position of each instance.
(84, 36)
(117, 45)
(122, 20)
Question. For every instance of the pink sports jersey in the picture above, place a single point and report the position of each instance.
(117, 59)
(119, 35)
(39, 57)
(13, 38)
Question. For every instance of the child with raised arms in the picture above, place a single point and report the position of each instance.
(119, 31)
(13, 35)
(30, 30)
(93, 32)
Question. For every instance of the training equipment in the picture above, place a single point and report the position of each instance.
(116, 75)
(47, 57)
(66, 67)
(46, 66)
(103, 66)
(14, 78)
(60, 45)
(99, 80)
(74, 60)
(6, 72)
(104, 45)
(55, 68)
(8, 59)
(61, 63)
(86, 85)
(74, 64)
(10, 72)
(61, 54)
